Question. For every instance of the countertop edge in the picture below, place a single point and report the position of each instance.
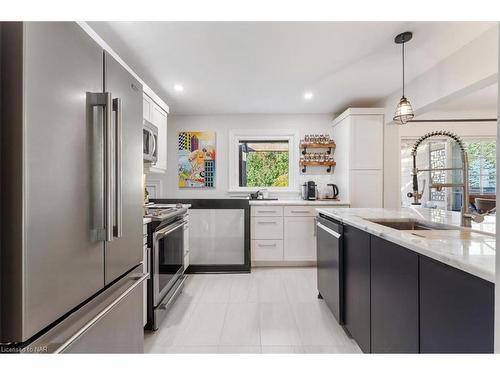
(469, 268)
(297, 202)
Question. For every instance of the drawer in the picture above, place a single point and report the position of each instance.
(267, 210)
(267, 228)
(145, 229)
(267, 250)
(300, 210)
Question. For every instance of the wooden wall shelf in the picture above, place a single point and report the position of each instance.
(318, 145)
(329, 146)
(328, 164)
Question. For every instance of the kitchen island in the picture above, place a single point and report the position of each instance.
(416, 282)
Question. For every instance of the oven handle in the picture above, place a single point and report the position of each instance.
(167, 230)
(166, 305)
(156, 265)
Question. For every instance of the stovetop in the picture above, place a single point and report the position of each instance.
(160, 212)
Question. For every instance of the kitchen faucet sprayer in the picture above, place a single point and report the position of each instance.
(466, 216)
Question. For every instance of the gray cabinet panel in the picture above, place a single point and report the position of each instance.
(64, 262)
(456, 310)
(216, 236)
(394, 298)
(357, 285)
(125, 252)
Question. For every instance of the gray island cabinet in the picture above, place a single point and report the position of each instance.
(399, 301)
(394, 298)
(456, 310)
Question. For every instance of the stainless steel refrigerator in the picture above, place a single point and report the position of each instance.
(71, 193)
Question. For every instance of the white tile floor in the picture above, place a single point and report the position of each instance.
(271, 310)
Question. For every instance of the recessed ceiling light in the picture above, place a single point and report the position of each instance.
(308, 95)
(178, 88)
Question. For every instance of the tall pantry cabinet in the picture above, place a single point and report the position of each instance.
(359, 135)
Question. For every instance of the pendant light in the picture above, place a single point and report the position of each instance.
(404, 110)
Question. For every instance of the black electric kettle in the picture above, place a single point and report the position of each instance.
(334, 192)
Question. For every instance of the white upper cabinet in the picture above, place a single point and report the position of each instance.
(158, 117)
(359, 135)
(362, 137)
(368, 142)
(147, 103)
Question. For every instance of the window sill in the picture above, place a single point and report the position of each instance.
(254, 189)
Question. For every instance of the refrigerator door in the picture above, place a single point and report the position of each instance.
(60, 252)
(109, 323)
(124, 251)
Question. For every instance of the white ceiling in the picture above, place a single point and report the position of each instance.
(478, 104)
(266, 67)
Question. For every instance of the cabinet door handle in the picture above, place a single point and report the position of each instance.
(266, 245)
(266, 211)
(300, 212)
(267, 222)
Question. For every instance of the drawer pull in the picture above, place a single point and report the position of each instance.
(300, 212)
(266, 211)
(267, 222)
(266, 245)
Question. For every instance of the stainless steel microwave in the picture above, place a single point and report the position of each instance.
(149, 142)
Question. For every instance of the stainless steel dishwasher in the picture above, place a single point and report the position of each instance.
(330, 259)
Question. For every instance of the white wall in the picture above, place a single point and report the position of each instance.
(471, 68)
(304, 124)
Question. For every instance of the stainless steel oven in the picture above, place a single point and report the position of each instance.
(167, 267)
(149, 142)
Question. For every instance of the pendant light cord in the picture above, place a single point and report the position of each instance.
(403, 49)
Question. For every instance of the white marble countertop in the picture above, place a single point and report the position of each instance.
(297, 202)
(470, 250)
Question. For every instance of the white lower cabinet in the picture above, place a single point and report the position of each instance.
(269, 250)
(284, 233)
(299, 238)
(267, 228)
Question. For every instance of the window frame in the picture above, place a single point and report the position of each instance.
(481, 171)
(466, 138)
(235, 136)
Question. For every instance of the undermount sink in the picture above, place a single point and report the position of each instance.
(410, 224)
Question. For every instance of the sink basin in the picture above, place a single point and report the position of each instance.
(410, 224)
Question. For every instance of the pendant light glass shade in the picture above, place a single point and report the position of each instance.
(404, 111)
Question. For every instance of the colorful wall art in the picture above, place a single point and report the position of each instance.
(196, 159)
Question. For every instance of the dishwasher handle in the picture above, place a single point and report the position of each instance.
(328, 230)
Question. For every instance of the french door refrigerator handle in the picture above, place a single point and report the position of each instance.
(103, 99)
(117, 108)
(108, 167)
